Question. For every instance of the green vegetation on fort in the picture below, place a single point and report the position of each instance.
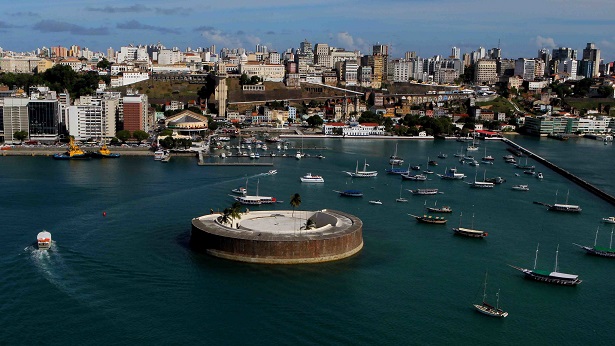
(59, 78)
(499, 105)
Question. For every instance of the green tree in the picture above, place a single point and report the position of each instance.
(226, 216)
(168, 142)
(244, 79)
(315, 121)
(295, 201)
(114, 141)
(166, 132)
(140, 135)
(255, 80)
(605, 91)
(104, 64)
(20, 135)
(123, 135)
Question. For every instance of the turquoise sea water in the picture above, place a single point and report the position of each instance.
(131, 276)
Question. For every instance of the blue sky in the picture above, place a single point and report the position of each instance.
(428, 27)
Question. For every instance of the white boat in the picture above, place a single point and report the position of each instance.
(571, 208)
(159, 154)
(521, 188)
(223, 155)
(394, 159)
(255, 200)
(362, 174)
(482, 184)
(610, 219)
(539, 175)
(375, 202)
(488, 309)
(240, 191)
(252, 155)
(166, 157)
(298, 155)
(272, 172)
(309, 178)
(416, 177)
(424, 191)
(554, 277)
(401, 199)
(43, 240)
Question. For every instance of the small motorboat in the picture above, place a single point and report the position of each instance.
(272, 172)
(521, 188)
(610, 219)
(43, 240)
(539, 175)
(377, 201)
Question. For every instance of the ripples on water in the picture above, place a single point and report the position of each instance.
(131, 276)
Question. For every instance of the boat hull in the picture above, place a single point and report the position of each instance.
(596, 252)
(490, 311)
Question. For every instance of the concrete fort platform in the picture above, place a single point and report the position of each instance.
(279, 236)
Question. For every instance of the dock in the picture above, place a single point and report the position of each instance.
(575, 179)
(235, 163)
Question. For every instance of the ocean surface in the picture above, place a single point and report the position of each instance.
(121, 269)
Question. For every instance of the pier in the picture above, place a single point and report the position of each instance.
(575, 179)
(235, 163)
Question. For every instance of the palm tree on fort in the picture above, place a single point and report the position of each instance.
(295, 201)
(226, 216)
(235, 211)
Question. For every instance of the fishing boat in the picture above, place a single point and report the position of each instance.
(394, 159)
(104, 152)
(488, 309)
(362, 174)
(429, 219)
(350, 193)
(255, 200)
(452, 174)
(377, 201)
(610, 219)
(521, 188)
(424, 191)
(442, 156)
(272, 172)
(73, 152)
(548, 276)
(309, 178)
(469, 232)
(442, 209)
(401, 199)
(43, 240)
(600, 250)
(416, 177)
(526, 166)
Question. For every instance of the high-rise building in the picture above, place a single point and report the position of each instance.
(485, 71)
(15, 117)
(525, 68)
(591, 53)
(135, 112)
(455, 53)
(563, 53)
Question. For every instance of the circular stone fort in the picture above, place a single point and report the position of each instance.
(280, 236)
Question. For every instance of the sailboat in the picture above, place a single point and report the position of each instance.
(427, 170)
(564, 207)
(401, 199)
(599, 250)
(472, 147)
(488, 309)
(398, 170)
(255, 200)
(553, 277)
(469, 232)
(481, 184)
(362, 174)
(488, 158)
(394, 159)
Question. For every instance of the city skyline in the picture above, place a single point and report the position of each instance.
(429, 28)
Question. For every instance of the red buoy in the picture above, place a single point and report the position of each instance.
(104, 213)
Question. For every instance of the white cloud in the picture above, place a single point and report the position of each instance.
(345, 40)
(545, 42)
(229, 40)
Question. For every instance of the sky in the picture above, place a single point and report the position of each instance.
(428, 27)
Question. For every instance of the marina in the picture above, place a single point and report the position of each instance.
(143, 264)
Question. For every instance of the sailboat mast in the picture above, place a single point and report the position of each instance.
(460, 215)
(472, 226)
(567, 196)
(485, 288)
(611, 243)
(497, 301)
(556, 254)
(596, 238)
(536, 257)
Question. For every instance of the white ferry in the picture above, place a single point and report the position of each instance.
(43, 240)
(309, 178)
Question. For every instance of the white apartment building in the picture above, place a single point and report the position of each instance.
(274, 58)
(169, 57)
(400, 70)
(128, 77)
(486, 71)
(568, 66)
(266, 72)
(18, 64)
(350, 71)
(92, 117)
(525, 68)
(132, 53)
